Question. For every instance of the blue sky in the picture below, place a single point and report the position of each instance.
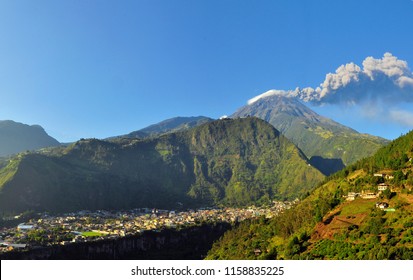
(84, 68)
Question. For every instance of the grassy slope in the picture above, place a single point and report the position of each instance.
(330, 140)
(326, 226)
(319, 229)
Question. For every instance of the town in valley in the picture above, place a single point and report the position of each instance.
(85, 226)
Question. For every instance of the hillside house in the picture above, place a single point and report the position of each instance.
(257, 252)
(351, 196)
(382, 187)
(369, 195)
(382, 205)
(25, 226)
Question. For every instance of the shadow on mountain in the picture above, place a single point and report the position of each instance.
(327, 166)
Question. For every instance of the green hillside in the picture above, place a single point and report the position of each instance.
(230, 162)
(329, 225)
(329, 145)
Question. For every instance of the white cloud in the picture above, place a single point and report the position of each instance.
(405, 81)
(402, 117)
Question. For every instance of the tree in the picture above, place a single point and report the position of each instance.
(387, 193)
(398, 177)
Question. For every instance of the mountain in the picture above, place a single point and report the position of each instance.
(225, 162)
(167, 126)
(339, 220)
(329, 145)
(17, 137)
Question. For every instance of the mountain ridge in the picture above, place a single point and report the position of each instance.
(315, 135)
(17, 137)
(229, 162)
(170, 125)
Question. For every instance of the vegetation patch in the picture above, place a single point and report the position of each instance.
(92, 234)
(358, 206)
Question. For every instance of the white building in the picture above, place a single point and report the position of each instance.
(23, 226)
(382, 187)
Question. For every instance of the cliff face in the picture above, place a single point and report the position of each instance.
(190, 244)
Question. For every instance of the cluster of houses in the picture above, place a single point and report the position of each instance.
(365, 195)
(371, 195)
(106, 224)
(385, 176)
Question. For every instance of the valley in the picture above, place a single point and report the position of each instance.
(45, 230)
(190, 243)
(239, 171)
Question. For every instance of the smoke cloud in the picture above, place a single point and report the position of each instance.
(378, 87)
(387, 80)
